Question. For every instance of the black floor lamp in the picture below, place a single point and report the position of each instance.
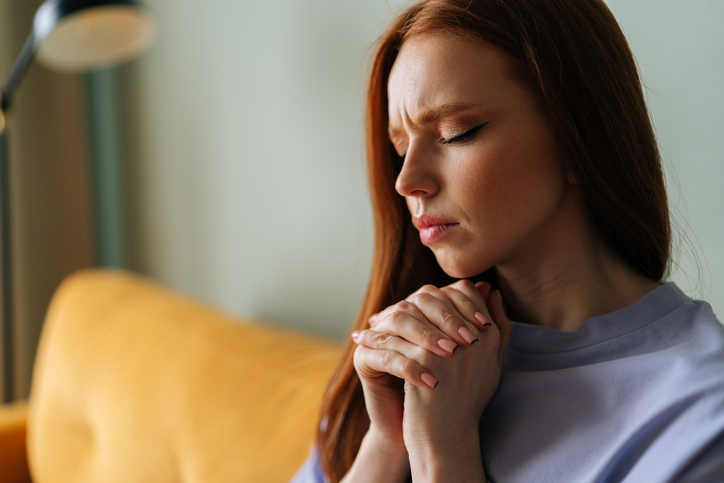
(73, 36)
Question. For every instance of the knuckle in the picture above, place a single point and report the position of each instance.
(403, 306)
(470, 307)
(424, 291)
(386, 358)
(464, 284)
(407, 367)
(418, 353)
(422, 334)
(380, 341)
(396, 318)
(427, 288)
(424, 297)
(449, 318)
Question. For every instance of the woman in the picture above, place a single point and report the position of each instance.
(514, 137)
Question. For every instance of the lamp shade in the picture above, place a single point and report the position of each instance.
(80, 35)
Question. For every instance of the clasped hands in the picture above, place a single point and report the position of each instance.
(429, 365)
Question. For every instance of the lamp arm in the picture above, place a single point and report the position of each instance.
(19, 69)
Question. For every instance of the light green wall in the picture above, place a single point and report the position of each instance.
(678, 46)
(245, 179)
(246, 184)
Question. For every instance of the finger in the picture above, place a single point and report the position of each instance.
(405, 320)
(373, 363)
(468, 301)
(468, 311)
(484, 289)
(373, 339)
(495, 304)
(440, 311)
(375, 319)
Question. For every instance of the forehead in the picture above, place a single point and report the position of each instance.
(434, 74)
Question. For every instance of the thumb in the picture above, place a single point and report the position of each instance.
(484, 289)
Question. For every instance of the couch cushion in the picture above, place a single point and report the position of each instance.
(135, 384)
(13, 455)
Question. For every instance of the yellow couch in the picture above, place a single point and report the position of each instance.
(133, 383)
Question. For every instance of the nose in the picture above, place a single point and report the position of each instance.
(417, 176)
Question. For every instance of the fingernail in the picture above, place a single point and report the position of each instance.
(355, 334)
(372, 318)
(447, 345)
(481, 318)
(467, 335)
(429, 379)
(487, 324)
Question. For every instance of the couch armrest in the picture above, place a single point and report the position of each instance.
(133, 382)
(13, 456)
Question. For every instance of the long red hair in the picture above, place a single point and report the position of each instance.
(575, 58)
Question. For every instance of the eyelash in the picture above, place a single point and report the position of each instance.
(470, 133)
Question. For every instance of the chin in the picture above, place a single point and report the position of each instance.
(456, 268)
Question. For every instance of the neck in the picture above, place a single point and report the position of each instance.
(569, 276)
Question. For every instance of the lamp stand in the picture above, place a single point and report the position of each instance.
(62, 35)
(7, 296)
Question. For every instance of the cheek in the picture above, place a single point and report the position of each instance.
(486, 178)
(533, 160)
(511, 181)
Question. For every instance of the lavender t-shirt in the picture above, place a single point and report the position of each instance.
(636, 395)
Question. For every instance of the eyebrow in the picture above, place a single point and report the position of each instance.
(433, 114)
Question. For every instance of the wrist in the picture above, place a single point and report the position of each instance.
(387, 447)
(379, 460)
(453, 462)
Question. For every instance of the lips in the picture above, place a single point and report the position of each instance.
(432, 228)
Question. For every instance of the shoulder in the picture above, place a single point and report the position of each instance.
(669, 322)
(638, 393)
(680, 355)
(681, 383)
(692, 338)
(311, 471)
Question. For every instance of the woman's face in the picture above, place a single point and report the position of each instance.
(481, 175)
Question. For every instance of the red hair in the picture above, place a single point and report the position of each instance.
(575, 58)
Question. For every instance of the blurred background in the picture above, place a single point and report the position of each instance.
(228, 162)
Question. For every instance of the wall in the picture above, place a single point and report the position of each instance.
(245, 179)
(246, 184)
(678, 46)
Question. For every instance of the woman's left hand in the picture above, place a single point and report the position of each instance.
(440, 425)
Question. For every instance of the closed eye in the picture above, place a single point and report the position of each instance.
(464, 136)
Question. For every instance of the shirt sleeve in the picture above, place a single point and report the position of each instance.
(310, 471)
